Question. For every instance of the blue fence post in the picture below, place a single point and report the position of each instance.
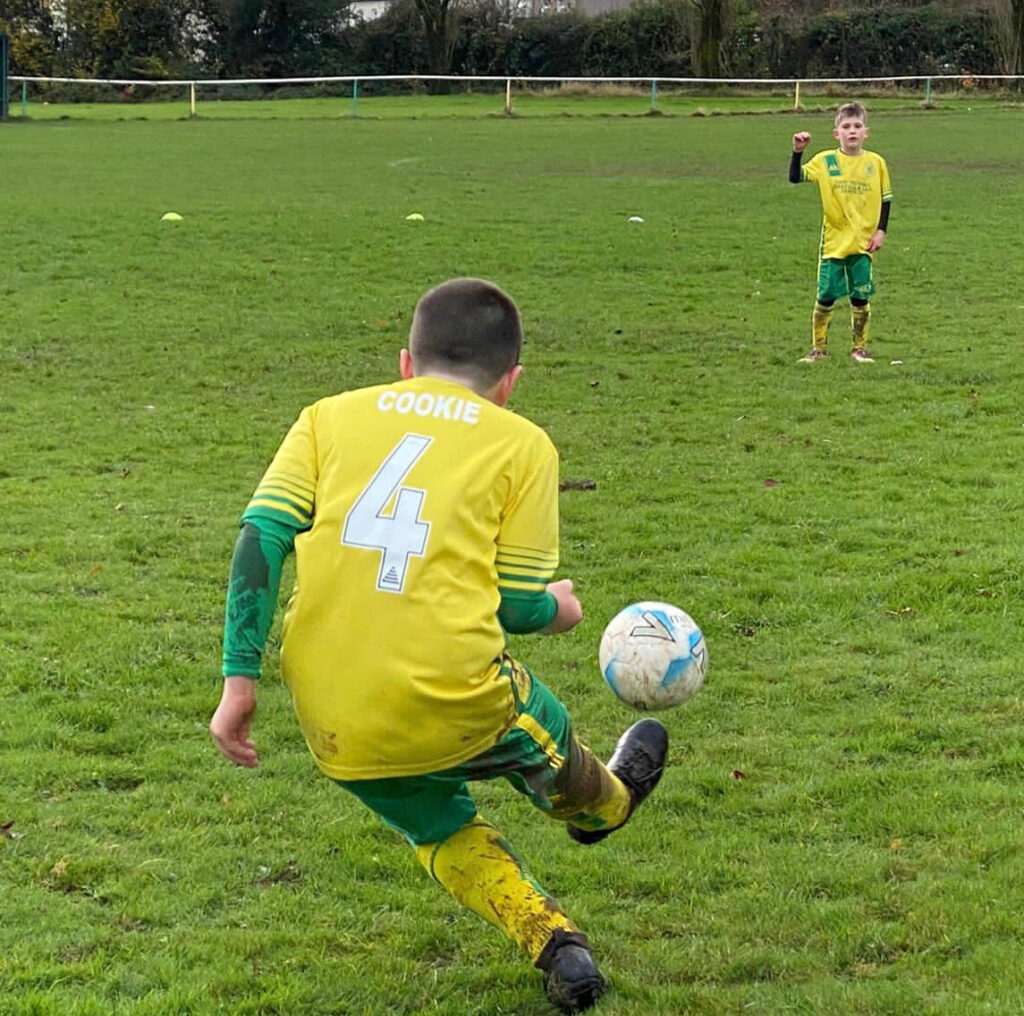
(355, 96)
(654, 93)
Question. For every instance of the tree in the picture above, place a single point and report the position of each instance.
(1008, 16)
(439, 36)
(710, 33)
(277, 38)
(122, 38)
(34, 37)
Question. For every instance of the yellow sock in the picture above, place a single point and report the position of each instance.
(479, 869)
(820, 322)
(861, 320)
(587, 794)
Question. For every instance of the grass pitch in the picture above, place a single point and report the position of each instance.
(839, 830)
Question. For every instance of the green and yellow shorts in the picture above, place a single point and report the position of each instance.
(849, 276)
(531, 755)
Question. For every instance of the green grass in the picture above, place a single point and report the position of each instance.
(863, 613)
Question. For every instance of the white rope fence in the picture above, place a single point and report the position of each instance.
(794, 84)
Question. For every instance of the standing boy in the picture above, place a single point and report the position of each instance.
(856, 195)
(424, 520)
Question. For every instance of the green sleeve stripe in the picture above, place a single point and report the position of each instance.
(289, 517)
(515, 548)
(519, 568)
(284, 496)
(520, 588)
(519, 580)
(513, 589)
(281, 507)
(519, 564)
(272, 489)
(301, 483)
(535, 559)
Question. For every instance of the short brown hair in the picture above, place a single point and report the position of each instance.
(467, 327)
(854, 109)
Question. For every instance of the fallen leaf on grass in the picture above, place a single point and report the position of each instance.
(899, 615)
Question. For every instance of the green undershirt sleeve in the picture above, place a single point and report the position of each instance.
(520, 613)
(260, 551)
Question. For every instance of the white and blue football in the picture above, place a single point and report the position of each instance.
(653, 656)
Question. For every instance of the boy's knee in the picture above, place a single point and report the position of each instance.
(466, 838)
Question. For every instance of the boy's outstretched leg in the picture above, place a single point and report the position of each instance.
(478, 868)
(638, 761)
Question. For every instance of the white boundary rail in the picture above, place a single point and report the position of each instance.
(790, 83)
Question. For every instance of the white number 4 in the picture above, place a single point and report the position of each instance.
(400, 535)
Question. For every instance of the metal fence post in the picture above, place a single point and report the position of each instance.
(5, 98)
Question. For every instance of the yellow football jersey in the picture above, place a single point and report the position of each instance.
(852, 189)
(416, 495)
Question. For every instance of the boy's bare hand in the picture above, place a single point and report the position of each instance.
(801, 140)
(570, 612)
(232, 720)
(875, 243)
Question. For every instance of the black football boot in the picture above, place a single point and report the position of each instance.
(639, 761)
(571, 977)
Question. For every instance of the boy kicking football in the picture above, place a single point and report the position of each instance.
(424, 520)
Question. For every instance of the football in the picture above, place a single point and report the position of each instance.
(653, 656)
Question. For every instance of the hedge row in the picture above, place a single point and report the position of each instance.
(655, 38)
(652, 38)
